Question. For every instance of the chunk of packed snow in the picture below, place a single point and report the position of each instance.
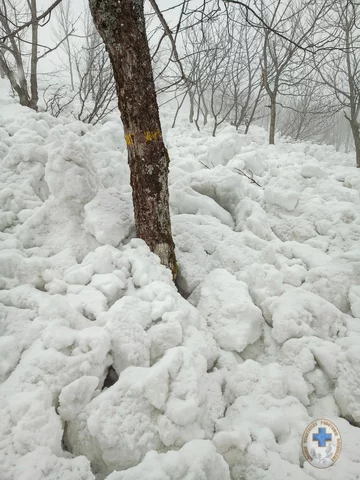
(354, 299)
(309, 170)
(230, 313)
(334, 279)
(109, 216)
(152, 408)
(196, 459)
(298, 313)
(347, 391)
(282, 194)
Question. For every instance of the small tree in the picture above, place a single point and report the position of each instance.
(222, 64)
(96, 91)
(65, 28)
(121, 23)
(307, 113)
(287, 29)
(246, 84)
(339, 68)
(13, 53)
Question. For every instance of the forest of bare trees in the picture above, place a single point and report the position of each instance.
(289, 66)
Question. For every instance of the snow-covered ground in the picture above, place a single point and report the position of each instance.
(214, 383)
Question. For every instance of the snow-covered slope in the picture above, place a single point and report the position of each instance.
(214, 383)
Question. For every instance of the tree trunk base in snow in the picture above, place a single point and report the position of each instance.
(122, 27)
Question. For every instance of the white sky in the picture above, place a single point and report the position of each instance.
(51, 61)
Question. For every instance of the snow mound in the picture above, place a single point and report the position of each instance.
(263, 416)
(333, 280)
(109, 216)
(347, 391)
(233, 319)
(196, 459)
(298, 313)
(69, 173)
(354, 299)
(43, 464)
(309, 170)
(166, 405)
(278, 193)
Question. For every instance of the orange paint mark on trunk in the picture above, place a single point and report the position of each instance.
(129, 138)
(149, 137)
(153, 136)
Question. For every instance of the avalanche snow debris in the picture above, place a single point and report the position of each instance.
(217, 387)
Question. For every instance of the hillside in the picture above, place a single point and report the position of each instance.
(219, 375)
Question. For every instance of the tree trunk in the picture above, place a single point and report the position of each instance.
(178, 110)
(198, 115)
(272, 120)
(215, 127)
(71, 71)
(17, 81)
(300, 126)
(192, 109)
(19, 90)
(121, 23)
(34, 57)
(253, 111)
(206, 111)
(356, 134)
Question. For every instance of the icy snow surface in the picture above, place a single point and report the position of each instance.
(216, 383)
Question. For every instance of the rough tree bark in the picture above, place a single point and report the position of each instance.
(34, 56)
(121, 24)
(272, 120)
(356, 134)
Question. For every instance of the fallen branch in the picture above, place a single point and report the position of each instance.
(251, 178)
(203, 164)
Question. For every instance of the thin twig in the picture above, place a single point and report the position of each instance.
(247, 176)
(203, 164)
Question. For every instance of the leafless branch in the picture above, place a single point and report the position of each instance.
(43, 16)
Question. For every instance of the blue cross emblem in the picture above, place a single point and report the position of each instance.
(322, 437)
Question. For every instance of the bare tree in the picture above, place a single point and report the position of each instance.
(96, 90)
(222, 64)
(340, 69)
(220, 79)
(287, 29)
(122, 27)
(197, 62)
(246, 85)
(12, 57)
(57, 100)
(34, 53)
(277, 54)
(307, 113)
(13, 42)
(65, 27)
(210, 60)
